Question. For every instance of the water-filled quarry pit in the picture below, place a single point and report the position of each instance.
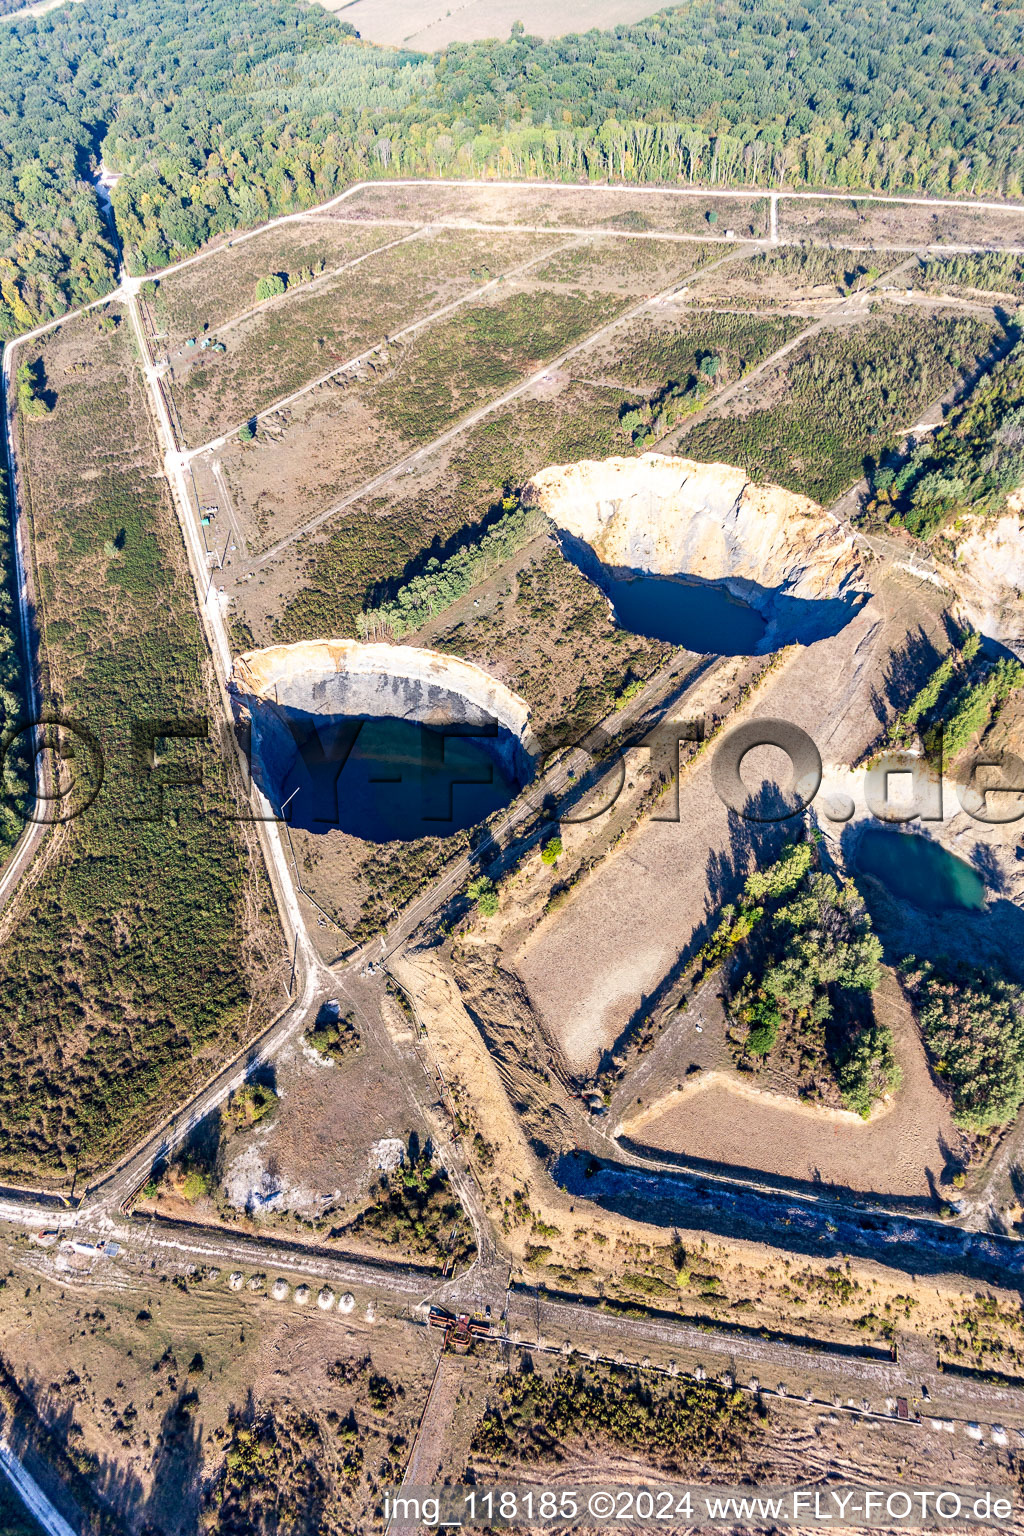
(700, 556)
(386, 742)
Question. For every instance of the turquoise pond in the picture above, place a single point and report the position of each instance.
(915, 869)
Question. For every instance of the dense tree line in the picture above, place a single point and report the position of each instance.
(442, 582)
(221, 115)
(958, 701)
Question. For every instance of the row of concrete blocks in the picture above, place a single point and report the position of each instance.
(281, 1290)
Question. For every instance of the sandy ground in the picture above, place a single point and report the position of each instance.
(622, 208)
(902, 1150)
(872, 223)
(429, 24)
(588, 970)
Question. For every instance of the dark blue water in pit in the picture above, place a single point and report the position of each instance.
(394, 780)
(700, 615)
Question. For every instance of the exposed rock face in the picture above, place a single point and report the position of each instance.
(284, 686)
(671, 516)
(988, 571)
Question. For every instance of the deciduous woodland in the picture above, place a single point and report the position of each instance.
(219, 116)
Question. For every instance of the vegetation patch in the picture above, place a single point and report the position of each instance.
(808, 965)
(14, 767)
(145, 953)
(335, 1036)
(973, 1025)
(535, 1417)
(958, 702)
(406, 605)
(842, 398)
(653, 349)
(971, 464)
(415, 1209)
(985, 272)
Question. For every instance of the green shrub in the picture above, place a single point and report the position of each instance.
(269, 287)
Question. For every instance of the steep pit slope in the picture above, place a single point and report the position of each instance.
(308, 704)
(987, 568)
(779, 552)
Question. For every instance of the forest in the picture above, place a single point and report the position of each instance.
(220, 116)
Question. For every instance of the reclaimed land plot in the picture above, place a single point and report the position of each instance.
(991, 273)
(327, 444)
(861, 222)
(620, 208)
(847, 393)
(148, 949)
(668, 345)
(209, 293)
(725, 1118)
(787, 274)
(283, 345)
(380, 540)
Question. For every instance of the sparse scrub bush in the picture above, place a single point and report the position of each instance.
(248, 1105)
(337, 1038)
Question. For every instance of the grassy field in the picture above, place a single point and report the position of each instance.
(297, 337)
(634, 267)
(841, 399)
(148, 948)
(213, 291)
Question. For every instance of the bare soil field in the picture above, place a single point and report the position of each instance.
(904, 1149)
(590, 966)
(618, 209)
(430, 24)
(283, 345)
(861, 222)
(207, 294)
